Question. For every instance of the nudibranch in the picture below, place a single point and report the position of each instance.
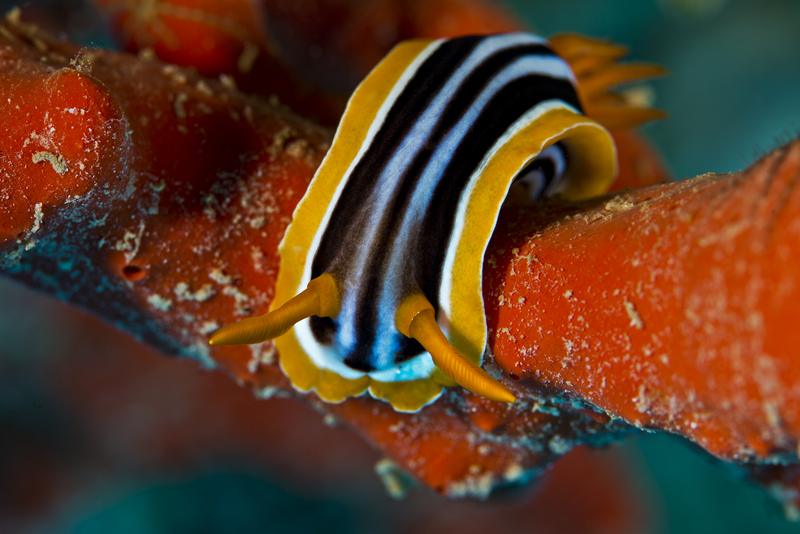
(379, 285)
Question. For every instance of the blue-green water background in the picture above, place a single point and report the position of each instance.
(733, 93)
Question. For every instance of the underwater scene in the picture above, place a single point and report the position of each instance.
(101, 432)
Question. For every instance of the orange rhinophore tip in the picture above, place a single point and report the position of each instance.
(423, 328)
(321, 297)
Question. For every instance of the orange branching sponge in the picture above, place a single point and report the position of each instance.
(105, 152)
(681, 315)
(309, 54)
(157, 199)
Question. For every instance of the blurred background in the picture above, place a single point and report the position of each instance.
(99, 434)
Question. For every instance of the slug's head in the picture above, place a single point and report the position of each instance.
(414, 318)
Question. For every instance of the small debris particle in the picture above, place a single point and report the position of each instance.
(619, 204)
(397, 427)
(159, 302)
(227, 81)
(772, 413)
(279, 140)
(297, 149)
(261, 354)
(642, 402)
(38, 217)
(257, 222)
(559, 445)
(569, 346)
(94, 223)
(130, 243)
(267, 392)
(83, 61)
(58, 163)
(203, 87)
(247, 57)
(484, 449)
(179, 77)
(183, 292)
(259, 260)
(329, 420)
(130, 188)
(208, 327)
(513, 473)
(175, 73)
(177, 105)
(544, 408)
(478, 487)
(475, 469)
(200, 351)
(219, 276)
(568, 293)
(234, 292)
(636, 319)
(755, 321)
(147, 54)
(395, 479)
(209, 201)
